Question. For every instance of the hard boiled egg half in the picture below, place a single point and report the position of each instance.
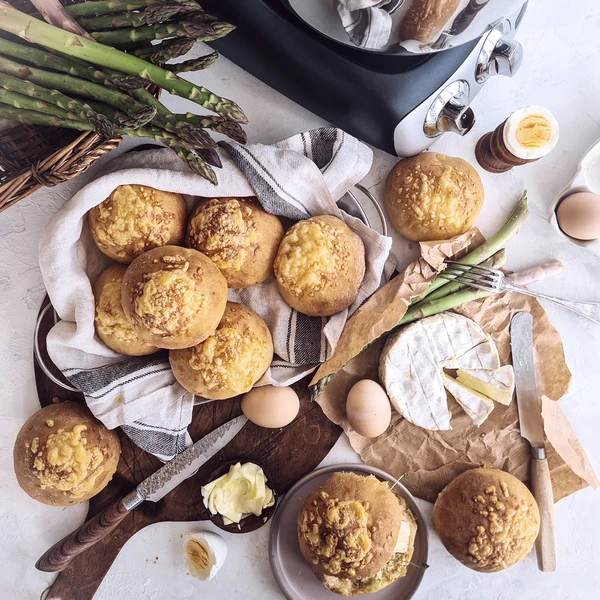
(204, 553)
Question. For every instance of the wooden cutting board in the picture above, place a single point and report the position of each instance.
(287, 454)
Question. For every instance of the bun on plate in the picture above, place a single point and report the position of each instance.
(112, 326)
(356, 534)
(238, 236)
(136, 218)
(63, 455)
(487, 519)
(175, 297)
(319, 266)
(432, 196)
(230, 361)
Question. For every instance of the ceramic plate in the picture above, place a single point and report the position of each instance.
(292, 573)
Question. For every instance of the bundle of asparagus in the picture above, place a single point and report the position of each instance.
(442, 295)
(58, 74)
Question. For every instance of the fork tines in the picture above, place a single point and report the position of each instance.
(472, 275)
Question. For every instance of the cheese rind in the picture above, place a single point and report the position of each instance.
(413, 359)
(497, 384)
(476, 405)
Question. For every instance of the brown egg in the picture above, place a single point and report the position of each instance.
(270, 406)
(368, 408)
(578, 215)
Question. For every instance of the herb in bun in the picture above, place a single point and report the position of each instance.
(356, 534)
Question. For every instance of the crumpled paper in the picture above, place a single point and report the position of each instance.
(433, 458)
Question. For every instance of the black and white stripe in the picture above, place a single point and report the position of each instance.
(367, 24)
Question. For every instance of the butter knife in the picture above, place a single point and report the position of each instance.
(155, 487)
(532, 429)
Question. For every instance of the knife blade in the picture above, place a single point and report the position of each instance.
(532, 429)
(153, 488)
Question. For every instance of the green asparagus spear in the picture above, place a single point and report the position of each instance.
(106, 7)
(35, 104)
(30, 29)
(123, 120)
(494, 262)
(490, 247)
(165, 50)
(67, 83)
(54, 13)
(219, 124)
(196, 163)
(131, 19)
(68, 65)
(83, 111)
(194, 64)
(122, 37)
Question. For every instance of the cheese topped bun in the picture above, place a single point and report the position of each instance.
(356, 534)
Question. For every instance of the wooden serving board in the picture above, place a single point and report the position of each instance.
(288, 454)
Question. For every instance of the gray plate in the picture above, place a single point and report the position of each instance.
(295, 577)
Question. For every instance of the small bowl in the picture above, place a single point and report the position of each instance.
(586, 179)
(251, 522)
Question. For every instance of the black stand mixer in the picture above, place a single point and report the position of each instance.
(398, 98)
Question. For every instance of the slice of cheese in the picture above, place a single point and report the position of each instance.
(413, 359)
(497, 384)
(476, 405)
(403, 540)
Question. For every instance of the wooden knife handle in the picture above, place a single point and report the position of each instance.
(545, 544)
(92, 531)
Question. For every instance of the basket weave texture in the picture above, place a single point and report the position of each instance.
(32, 156)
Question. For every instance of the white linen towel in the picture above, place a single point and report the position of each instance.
(366, 22)
(296, 178)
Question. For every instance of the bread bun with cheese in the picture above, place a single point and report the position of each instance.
(356, 534)
(432, 197)
(175, 297)
(136, 218)
(63, 455)
(487, 519)
(112, 326)
(319, 266)
(238, 236)
(230, 361)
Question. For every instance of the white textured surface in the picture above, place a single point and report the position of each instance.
(560, 71)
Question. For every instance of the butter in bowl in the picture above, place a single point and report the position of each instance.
(238, 497)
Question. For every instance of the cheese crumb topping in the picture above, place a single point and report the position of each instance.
(133, 218)
(229, 360)
(65, 463)
(310, 255)
(110, 317)
(169, 299)
(225, 231)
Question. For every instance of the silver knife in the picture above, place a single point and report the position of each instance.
(155, 487)
(532, 429)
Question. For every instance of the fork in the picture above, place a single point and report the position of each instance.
(495, 281)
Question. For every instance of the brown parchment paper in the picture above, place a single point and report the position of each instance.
(433, 458)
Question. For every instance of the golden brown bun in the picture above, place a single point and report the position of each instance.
(136, 218)
(175, 297)
(319, 266)
(112, 326)
(54, 464)
(230, 361)
(487, 519)
(425, 19)
(432, 197)
(361, 515)
(238, 236)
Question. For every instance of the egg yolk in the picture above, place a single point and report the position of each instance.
(534, 131)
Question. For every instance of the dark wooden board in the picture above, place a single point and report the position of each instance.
(287, 453)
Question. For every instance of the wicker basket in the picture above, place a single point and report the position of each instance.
(33, 156)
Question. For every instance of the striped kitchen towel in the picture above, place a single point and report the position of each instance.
(366, 22)
(296, 178)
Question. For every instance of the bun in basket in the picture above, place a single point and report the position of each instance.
(319, 266)
(112, 326)
(487, 519)
(63, 455)
(230, 361)
(357, 535)
(136, 218)
(238, 236)
(175, 297)
(432, 197)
